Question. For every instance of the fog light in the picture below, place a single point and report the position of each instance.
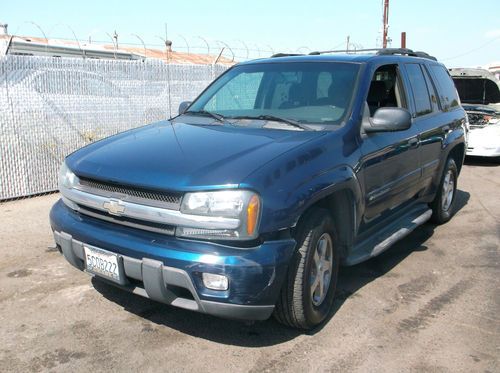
(215, 282)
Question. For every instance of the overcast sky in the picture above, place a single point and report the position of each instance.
(458, 33)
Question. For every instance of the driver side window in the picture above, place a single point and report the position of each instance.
(385, 89)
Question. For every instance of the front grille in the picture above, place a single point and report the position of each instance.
(167, 200)
(476, 119)
(129, 222)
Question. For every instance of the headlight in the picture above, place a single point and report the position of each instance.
(67, 179)
(243, 205)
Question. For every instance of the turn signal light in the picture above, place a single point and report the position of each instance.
(252, 214)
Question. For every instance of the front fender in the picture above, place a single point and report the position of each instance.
(282, 207)
(299, 178)
(341, 178)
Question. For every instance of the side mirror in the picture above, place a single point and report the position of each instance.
(388, 119)
(183, 106)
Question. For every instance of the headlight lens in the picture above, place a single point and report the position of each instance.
(226, 203)
(238, 204)
(67, 179)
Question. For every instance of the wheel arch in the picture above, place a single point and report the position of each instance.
(458, 155)
(342, 207)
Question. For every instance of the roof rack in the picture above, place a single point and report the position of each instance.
(286, 55)
(381, 52)
(405, 52)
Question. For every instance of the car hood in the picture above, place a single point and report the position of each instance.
(181, 157)
(493, 109)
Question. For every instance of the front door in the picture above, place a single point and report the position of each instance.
(390, 165)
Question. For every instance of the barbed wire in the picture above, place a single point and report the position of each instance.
(236, 50)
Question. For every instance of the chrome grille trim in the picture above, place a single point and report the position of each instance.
(148, 213)
(476, 119)
(167, 200)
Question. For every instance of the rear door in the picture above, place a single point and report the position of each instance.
(425, 112)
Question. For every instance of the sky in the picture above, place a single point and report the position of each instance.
(456, 34)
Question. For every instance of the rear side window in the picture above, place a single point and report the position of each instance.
(447, 92)
(419, 89)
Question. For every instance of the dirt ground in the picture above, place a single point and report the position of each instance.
(429, 304)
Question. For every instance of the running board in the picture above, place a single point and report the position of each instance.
(389, 235)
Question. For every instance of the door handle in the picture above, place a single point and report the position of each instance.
(413, 142)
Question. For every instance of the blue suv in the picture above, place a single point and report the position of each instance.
(247, 202)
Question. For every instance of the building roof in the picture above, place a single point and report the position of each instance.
(30, 45)
(174, 56)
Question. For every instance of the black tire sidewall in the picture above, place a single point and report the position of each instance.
(443, 216)
(316, 314)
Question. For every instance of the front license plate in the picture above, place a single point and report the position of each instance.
(102, 263)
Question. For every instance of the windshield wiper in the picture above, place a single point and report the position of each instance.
(216, 116)
(276, 119)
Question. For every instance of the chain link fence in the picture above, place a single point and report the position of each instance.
(50, 107)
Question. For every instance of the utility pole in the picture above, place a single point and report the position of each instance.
(347, 43)
(115, 37)
(385, 24)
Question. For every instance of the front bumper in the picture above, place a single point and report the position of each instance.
(168, 269)
(479, 151)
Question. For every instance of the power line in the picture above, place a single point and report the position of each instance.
(470, 51)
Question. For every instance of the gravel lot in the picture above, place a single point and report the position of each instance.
(431, 303)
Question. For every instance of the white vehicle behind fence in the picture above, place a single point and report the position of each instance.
(50, 107)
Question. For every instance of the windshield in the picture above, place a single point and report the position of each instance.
(477, 90)
(310, 93)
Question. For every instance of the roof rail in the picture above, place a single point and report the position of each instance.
(286, 55)
(404, 52)
(316, 53)
(425, 55)
(381, 52)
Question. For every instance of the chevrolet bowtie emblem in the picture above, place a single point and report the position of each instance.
(114, 207)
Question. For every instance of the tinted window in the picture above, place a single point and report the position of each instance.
(430, 87)
(447, 92)
(419, 89)
(312, 93)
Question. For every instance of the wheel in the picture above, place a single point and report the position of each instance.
(443, 205)
(308, 292)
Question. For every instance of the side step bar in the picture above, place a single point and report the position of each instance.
(388, 236)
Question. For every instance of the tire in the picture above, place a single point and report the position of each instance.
(302, 304)
(443, 205)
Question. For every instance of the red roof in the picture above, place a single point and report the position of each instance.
(171, 56)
